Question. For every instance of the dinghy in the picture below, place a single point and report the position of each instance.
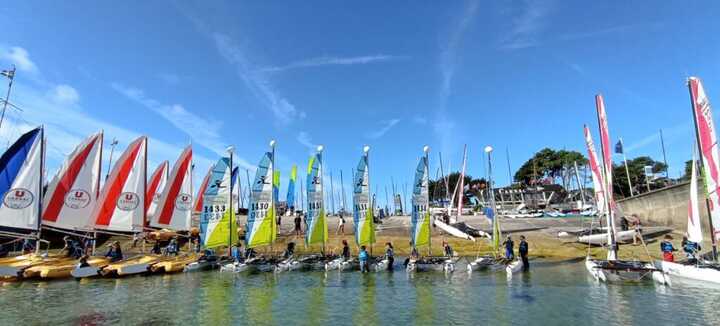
(702, 270)
(61, 269)
(21, 184)
(96, 264)
(173, 264)
(131, 266)
(611, 269)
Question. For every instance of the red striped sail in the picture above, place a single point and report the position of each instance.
(597, 177)
(175, 205)
(121, 205)
(155, 187)
(72, 194)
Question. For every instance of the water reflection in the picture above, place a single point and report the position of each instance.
(365, 313)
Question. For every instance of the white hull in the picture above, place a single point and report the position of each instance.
(447, 266)
(452, 230)
(479, 264)
(134, 269)
(617, 276)
(82, 272)
(514, 267)
(601, 239)
(681, 272)
(247, 267)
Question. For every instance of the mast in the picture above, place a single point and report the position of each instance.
(662, 143)
(366, 149)
(230, 219)
(426, 149)
(342, 190)
(332, 192)
(580, 186)
(249, 187)
(447, 187)
(40, 184)
(462, 185)
(491, 193)
(507, 156)
(272, 194)
(627, 170)
(693, 102)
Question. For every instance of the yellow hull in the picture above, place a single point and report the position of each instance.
(130, 266)
(37, 270)
(61, 269)
(173, 264)
(16, 266)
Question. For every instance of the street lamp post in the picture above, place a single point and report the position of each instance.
(10, 74)
(112, 149)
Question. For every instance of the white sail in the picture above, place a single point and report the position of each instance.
(694, 229)
(72, 194)
(21, 170)
(175, 205)
(121, 205)
(155, 188)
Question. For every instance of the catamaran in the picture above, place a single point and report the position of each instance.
(702, 270)
(598, 236)
(21, 168)
(316, 220)
(261, 229)
(611, 269)
(218, 224)
(363, 218)
(420, 223)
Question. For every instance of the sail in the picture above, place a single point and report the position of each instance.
(121, 205)
(21, 171)
(175, 204)
(694, 229)
(607, 169)
(215, 222)
(291, 188)
(235, 183)
(71, 196)
(461, 188)
(708, 149)
(155, 188)
(317, 231)
(276, 184)
(198, 205)
(597, 178)
(420, 220)
(261, 228)
(362, 207)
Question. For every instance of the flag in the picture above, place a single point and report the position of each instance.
(10, 74)
(619, 147)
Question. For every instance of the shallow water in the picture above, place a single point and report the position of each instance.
(550, 294)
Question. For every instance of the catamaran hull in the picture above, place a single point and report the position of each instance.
(453, 231)
(601, 239)
(248, 267)
(514, 267)
(480, 263)
(601, 274)
(447, 266)
(680, 272)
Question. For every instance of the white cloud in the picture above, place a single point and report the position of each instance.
(65, 94)
(19, 57)
(202, 131)
(256, 81)
(526, 26)
(329, 60)
(304, 139)
(386, 126)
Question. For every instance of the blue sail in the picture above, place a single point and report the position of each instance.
(21, 169)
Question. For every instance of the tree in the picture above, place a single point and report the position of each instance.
(474, 186)
(688, 170)
(548, 163)
(636, 168)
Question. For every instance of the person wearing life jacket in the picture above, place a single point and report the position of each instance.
(691, 249)
(667, 249)
(509, 247)
(363, 257)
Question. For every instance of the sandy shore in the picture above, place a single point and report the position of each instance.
(541, 234)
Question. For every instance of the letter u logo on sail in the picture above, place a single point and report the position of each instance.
(19, 193)
(78, 194)
(129, 196)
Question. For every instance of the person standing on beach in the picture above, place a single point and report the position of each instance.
(523, 251)
(341, 225)
(509, 247)
(298, 228)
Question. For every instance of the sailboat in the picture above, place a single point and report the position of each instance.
(702, 270)
(316, 220)
(174, 212)
(21, 181)
(218, 225)
(363, 219)
(261, 229)
(598, 236)
(612, 269)
(420, 234)
(198, 204)
(451, 228)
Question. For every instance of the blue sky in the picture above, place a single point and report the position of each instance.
(394, 75)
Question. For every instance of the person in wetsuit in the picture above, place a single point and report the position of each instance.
(509, 247)
(523, 251)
